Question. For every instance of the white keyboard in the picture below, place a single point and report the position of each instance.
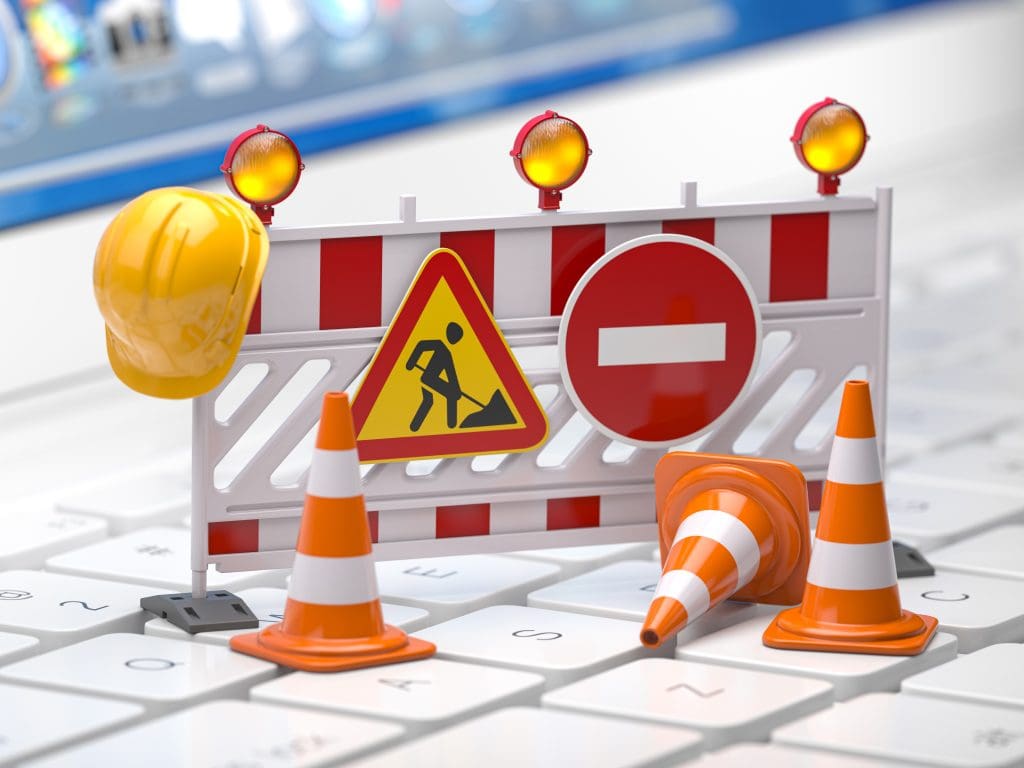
(539, 660)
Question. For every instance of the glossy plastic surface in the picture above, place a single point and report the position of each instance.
(176, 275)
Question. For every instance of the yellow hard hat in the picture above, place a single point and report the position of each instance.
(176, 276)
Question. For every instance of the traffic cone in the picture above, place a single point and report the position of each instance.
(730, 527)
(851, 603)
(333, 618)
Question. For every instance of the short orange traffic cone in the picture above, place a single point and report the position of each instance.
(852, 603)
(333, 618)
(729, 527)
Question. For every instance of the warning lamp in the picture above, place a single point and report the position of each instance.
(262, 167)
(829, 138)
(551, 153)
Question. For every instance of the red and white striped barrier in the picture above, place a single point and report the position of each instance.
(819, 272)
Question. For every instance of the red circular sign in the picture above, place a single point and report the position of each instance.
(659, 340)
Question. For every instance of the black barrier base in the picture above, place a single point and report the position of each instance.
(218, 610)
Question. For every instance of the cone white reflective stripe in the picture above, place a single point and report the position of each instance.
(854, 461)
(685, 588)
(334, 474)
(333, 580)
(731, 533)
(852, 566)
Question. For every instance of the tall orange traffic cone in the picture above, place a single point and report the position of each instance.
(333, 618)
(851, 603)
(729, 527)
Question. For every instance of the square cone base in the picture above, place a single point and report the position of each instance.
(777, 637)
(250, 644)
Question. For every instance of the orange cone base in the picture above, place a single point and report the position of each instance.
(850, 638)
(325, 655)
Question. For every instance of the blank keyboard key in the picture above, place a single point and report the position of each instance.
(561, 646)
(29, 536)
(993, 675)
(979, 610)
(451, 586)
(993, 553)
(521, 736)
(625, 590)
(724, 704)
(158, 673)
(267, 603)
(421, 695)
(33, 721)
(771, 755)
(975, 466)
(929, 516)
(918, 729)
(14, 647)
(851, 674)
(233, 734)
(61, 609)
(159, 557)
(913, 421)
(134, 501)
(576, 560)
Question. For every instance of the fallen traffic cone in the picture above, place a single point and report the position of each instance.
(729, 527)
(333, 618)
(851, 603)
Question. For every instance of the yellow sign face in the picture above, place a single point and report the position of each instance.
(443, 381)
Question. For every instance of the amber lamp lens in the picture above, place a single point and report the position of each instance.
(265, 168)
(554, 153)
(833, 139)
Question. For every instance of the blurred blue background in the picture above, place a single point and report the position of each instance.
(102, 99)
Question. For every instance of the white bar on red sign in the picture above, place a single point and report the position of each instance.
(290, 298)
(748, 242)
(522, 262)
(519, 516)
(401, 256)
(660, 344)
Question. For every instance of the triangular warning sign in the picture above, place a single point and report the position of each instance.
(443, 381)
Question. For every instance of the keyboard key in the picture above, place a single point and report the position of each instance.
(979, 610)
(624, 591)
(915, 422)
(927, 516)
(522, 736)
(233, 734)
(976, 466)
(268, 605)
(993, 675)
(725, 705)
(60, 609)
(158, 673)
(576, 560)
(747, 755)
(14, 647)
(918, 729)
(28, 717)
(159, 557)
(850, 673)
(421, 695)
(451, 586)
(561, 646)
(993, 553)
(31, 534)
(134, 501)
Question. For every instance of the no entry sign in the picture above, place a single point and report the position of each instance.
(659, 340)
